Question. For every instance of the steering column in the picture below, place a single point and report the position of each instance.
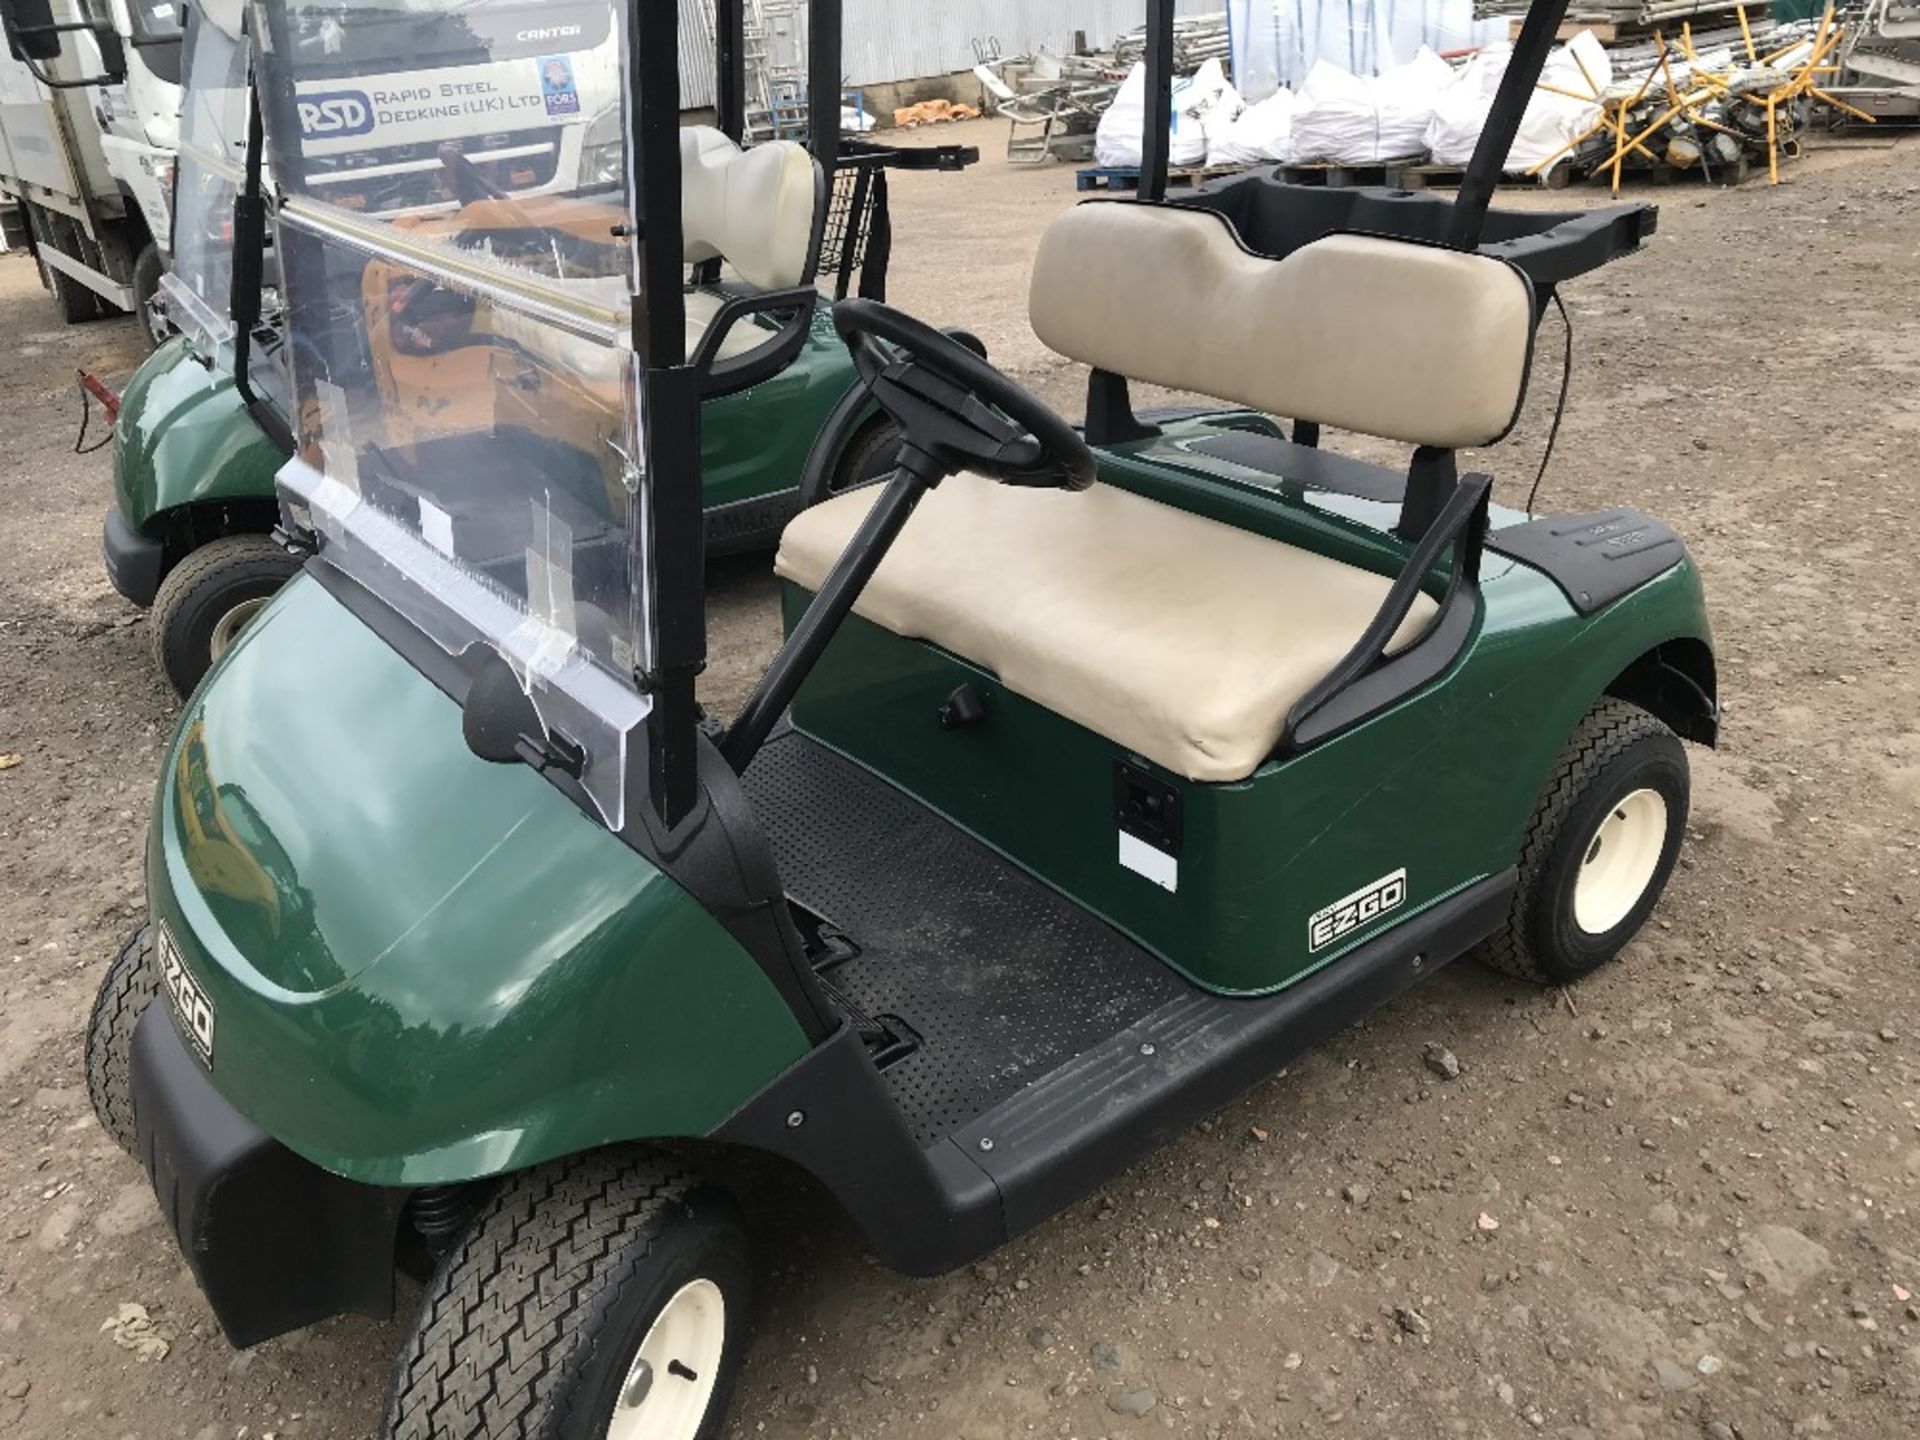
(957, 413)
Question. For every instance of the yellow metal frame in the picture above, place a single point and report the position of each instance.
(1702, 86)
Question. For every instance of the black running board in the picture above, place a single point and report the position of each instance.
(926, 1211)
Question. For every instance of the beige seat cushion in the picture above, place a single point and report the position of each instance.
(1385, 337)
(756, 209)
(702, 307)
(1177, 637)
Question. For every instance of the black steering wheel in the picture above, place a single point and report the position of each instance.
(956, 409)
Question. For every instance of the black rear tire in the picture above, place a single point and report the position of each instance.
(132, 983)
(532, 1323)
(207, 600)
(1619, 751)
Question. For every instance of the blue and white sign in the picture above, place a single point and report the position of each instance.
(558, 87)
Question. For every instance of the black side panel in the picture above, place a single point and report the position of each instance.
(1089, 1120)
(276, 1242)
(1305, 465)
(1597, 559)
(924, 1211)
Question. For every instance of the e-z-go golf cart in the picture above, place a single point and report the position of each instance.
(1088, 788)
(202, 428)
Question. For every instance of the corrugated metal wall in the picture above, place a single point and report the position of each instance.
(889, 40)
(696, 54)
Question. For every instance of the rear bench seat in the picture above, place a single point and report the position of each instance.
(760, 210)
(1180, 638)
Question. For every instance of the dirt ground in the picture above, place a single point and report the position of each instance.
(1678, 1202)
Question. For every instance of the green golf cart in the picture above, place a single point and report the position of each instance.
(1092, 783)
(203, 428)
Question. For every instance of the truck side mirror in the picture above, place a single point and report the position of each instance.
(30, 29)
(34, 36)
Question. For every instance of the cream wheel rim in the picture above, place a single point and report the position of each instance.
(232, 623)
(1621, 860)
(670, 1383)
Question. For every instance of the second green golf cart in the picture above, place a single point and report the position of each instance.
(197, 444)
(1089, 787)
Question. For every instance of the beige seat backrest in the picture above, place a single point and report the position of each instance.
(756, 209)
(1383, 337)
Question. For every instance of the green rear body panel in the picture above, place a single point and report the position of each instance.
(425, 968)
(1441, 785)
(184, 440)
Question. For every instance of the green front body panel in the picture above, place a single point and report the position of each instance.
(425, 968)
(1441, 785)
(184, 438)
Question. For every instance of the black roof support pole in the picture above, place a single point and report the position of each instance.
(825, 31)
(249, 250)
(730, 54)
(672, 518)
(1156, 148)
(1503, 122)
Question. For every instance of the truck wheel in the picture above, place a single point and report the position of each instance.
(147, 273)
(77, 303)
(209, 598)
(1602, 842)
(132, 983)
(603, 1297)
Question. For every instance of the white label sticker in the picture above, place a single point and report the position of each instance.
(436, 527)
(1143, 859)
(1363, 907)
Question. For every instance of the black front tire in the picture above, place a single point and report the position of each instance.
(871, 458)
(147, 273)
(131, 984)
(1618, 751)
(207, 599)
(532, 1323)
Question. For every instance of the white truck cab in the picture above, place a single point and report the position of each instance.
(89, 118)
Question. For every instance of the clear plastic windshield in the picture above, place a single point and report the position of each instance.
(209, 175)
(465, 387)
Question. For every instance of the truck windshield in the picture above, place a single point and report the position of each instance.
(463, 378)
(329, 45)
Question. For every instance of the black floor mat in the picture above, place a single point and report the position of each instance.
(1002, 979)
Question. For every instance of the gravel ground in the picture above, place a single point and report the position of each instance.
(1678, 1202)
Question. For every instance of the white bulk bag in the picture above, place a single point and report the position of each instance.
(1262, 133)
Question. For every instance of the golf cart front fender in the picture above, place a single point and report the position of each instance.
(418, 968)
(184, 439)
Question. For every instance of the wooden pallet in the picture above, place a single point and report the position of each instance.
(1127, 177)
(1446, 177)
(1387, 173)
